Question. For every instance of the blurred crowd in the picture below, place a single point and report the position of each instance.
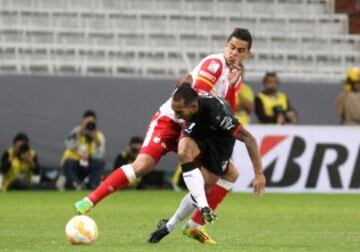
(83, 164)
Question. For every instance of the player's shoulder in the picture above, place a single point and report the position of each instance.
(216, 57)
(212, 66)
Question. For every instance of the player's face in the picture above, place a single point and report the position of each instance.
(181, 110)
(236, 50)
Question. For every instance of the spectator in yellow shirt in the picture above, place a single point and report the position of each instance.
(271, 105)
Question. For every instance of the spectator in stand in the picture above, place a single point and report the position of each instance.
(273, 106)
(244, 101)
(129, 154)
(18, 165)
(348, 102)
(84, 154)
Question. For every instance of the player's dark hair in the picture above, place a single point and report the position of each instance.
(185, 92)
(88, 113)
(242, 34)
(269, 74)
(21, 137)
(136, 140)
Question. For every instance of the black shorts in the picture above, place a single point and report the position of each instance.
(215, 155)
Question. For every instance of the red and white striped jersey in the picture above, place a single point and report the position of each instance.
(209, 76)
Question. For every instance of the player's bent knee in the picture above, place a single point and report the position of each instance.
(187, 150)
(185, 156)
(232, 173)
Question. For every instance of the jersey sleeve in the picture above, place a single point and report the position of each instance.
(226, 121)
(232, 94)
(209, 73)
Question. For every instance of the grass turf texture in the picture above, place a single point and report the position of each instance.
(35, 221)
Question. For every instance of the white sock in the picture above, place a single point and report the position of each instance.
(195, 183)
(185, 208)
(193, 224)
(227, 185)
(129, 172)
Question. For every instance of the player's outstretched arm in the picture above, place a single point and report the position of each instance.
(253, 151)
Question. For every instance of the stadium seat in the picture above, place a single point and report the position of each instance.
(127, 36)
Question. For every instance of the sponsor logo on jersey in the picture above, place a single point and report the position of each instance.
(207, 75)
(213, 66)
(157, 139)
(227, 123)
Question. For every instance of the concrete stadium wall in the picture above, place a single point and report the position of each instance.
(47, 108)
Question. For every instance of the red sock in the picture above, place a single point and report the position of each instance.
(216, 195)
(115, 181)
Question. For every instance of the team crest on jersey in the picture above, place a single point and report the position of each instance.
(156, 139)
(213, 66)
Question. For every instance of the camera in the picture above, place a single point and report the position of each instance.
(23, 149)
(90, 126)
(278, 110)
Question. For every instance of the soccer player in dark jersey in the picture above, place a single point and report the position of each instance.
(211, 131)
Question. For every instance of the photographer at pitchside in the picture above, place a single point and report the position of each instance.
(18, 164)
(83, 159)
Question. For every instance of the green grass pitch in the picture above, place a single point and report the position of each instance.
(35, 221)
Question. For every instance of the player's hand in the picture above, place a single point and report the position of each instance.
(234, 75)
(259, 184)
